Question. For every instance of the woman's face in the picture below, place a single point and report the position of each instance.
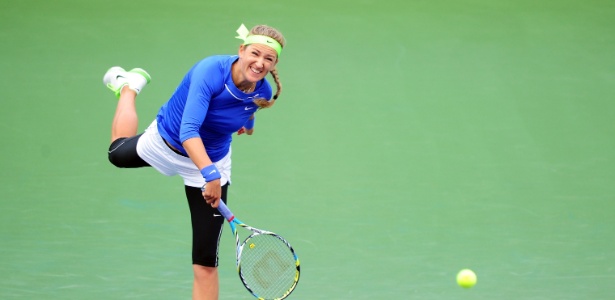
(256, 61)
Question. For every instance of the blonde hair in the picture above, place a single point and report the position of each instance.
(276, 35)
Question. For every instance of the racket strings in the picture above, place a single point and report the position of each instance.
(268, 266)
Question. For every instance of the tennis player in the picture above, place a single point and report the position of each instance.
(192, 133)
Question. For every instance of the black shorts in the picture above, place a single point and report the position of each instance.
(206, 220)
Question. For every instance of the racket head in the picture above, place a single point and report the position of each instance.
(268, 266)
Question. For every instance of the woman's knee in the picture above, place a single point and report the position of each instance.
(123, 153)
(203, 272)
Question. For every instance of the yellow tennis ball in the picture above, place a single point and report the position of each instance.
(466, 278)
(252, 246)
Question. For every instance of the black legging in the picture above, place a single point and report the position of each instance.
(206, 227)
(123, 153)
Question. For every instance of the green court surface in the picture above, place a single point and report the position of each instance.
(412, 139)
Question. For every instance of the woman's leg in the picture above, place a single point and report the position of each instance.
(126, 86)
(125, 122)
(206, 230)
(205, 285)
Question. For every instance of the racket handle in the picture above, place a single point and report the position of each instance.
(223, 209)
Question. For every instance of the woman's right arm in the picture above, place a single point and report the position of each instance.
(204, 79)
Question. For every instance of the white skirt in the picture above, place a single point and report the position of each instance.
(152, 149)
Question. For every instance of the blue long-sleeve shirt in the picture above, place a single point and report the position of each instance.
(207, 104)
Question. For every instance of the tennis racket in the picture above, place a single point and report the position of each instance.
(267, 264)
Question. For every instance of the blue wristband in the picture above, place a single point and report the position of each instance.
(210, 173)
(249, 124)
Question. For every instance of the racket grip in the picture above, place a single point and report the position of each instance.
(223, 209)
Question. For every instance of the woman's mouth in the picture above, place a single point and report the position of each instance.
(256, 71)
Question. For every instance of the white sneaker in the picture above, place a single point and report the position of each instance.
(116, 78)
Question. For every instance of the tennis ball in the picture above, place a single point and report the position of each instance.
(252, 246)
(466, 278)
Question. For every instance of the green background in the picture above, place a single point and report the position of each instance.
(412, 139)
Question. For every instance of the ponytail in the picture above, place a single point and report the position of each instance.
(264, 103)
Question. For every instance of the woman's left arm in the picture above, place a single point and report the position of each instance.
(247, 128)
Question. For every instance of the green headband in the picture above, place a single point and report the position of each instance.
(257, 39)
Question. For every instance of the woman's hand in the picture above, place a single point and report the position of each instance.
(246, 131)
(247, 128)
(212, 191)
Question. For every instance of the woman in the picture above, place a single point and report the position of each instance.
(191, 135)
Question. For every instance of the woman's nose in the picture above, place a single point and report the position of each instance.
(260, 62)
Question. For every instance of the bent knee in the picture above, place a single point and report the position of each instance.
(117, 160)
(123, 153)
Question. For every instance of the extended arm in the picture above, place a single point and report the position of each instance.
(205, 78)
